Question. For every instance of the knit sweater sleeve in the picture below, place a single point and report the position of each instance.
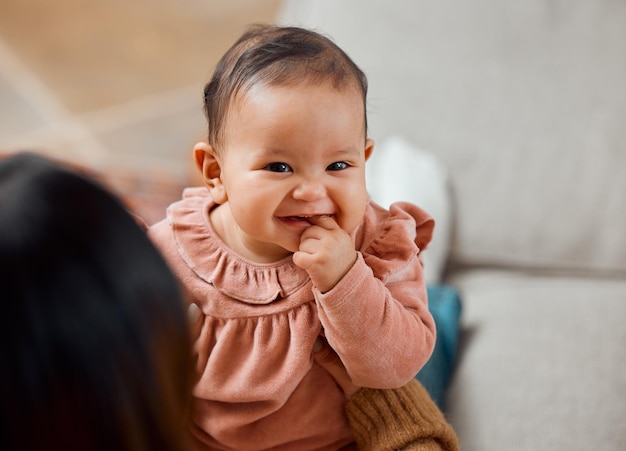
(401, 419)
(376, 318)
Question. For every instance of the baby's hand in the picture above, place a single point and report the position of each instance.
(326, 252)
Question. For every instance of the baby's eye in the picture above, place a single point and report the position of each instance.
(278, 167)
(337, 166)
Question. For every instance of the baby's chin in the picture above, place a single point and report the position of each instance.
(291, 248)
(281, 249)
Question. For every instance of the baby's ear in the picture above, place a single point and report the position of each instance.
(208, 164)
(369, 148)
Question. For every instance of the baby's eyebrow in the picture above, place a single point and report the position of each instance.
(276, 152)
(349, 152)
(273, 152)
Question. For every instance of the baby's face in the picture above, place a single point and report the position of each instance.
(293, 152)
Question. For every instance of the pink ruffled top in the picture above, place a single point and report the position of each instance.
(277, 358)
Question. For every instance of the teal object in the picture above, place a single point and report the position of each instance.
(444, 303)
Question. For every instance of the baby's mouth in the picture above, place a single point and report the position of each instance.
(303, 218)
(298, 218)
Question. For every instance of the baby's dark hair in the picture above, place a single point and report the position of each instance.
(276, 55)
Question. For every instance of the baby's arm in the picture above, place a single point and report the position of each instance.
(383, 332)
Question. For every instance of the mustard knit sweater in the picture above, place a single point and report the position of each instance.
(400, 419)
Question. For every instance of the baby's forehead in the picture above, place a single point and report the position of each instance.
(295, 86)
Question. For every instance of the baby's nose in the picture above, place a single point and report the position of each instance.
(309, 190)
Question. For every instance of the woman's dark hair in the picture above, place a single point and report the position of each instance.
(276, 55)
(94, 340)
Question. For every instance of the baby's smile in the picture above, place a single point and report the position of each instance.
(300, 219)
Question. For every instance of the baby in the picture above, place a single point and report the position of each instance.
(308, 291)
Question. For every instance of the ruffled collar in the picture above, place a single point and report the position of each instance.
(211, 260)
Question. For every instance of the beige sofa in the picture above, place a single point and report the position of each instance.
(524, 105)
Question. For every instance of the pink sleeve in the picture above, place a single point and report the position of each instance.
(376, 318)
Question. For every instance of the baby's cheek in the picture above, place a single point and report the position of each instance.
(354, 216)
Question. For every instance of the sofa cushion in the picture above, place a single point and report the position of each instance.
(541, 363)
(522, 101)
